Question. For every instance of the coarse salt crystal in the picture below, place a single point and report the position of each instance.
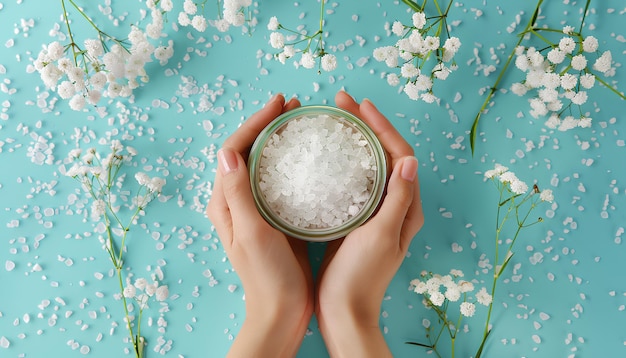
(317, 172)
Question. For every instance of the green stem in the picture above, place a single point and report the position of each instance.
(611, 88)
(494, 88)
(133, 339)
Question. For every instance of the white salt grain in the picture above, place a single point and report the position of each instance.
(317, 172)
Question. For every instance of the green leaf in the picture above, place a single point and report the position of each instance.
(482, 345)
(420, 344)
(413, 5)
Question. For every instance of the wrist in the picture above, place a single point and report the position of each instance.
(353, 333)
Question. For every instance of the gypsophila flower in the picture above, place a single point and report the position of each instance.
(277, 40)
(468, 309)
(579, 62)
(590, 44)
(419, 20)
(483, 297)
(329, 62)
(273, 24)
(199, 23)
(556, 56)
(162, 293)
(518, 187)
(604, 62)
(98, 208)
(130, 291)
(397, 28)
(546, 195)
(568, 30)
(307, 60)
(437, 298)
(567, 45)
(393, 79)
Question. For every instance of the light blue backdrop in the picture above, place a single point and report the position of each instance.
(572, 299)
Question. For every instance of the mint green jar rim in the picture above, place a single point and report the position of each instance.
(325, 234)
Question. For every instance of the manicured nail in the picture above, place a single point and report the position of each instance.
(227, 160)
(409, 169)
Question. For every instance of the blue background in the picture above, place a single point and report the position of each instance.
(573, 299)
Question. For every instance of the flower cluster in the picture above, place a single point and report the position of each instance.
(101, 178)
(102, 66)
(420, 56)
(516, 186)
(313, 45)
(141, 291)
(514, 206)
(561, 72)
(455, 289)
(234, 13)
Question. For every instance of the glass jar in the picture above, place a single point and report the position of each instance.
(378, 179)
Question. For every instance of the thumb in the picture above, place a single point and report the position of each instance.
(236, 186)
(399, 198)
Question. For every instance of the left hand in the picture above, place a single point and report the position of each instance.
(274, 269)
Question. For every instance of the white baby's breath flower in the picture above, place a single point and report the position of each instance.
(307, 60)
(567, 123)
(568, 30)
(553, 122)
(329, 62)
(130, 291)
(519, 187)
(55, 50)
(468, 309)
(66, 89)
(189, 7)
(556, 56)
(579, 62)
(508, 177)
(429, 97)
(98, 208)
(142, 178)
(408, 70)
(273, 24)
(437, 298)
(545, 195)
(162, 293)
(199, 23)
(585, 122)
(156, 184)
(466, 286)
(519, 89)
(77, 102)
(151, 288)
(587, 80)
(419, 20)
(580, 98)
(141, 283)
(277, 40)
(483, 297)
(393, 79)
(420, 287)
(456, 273)
(567, 45)
(397, 28)
(590, 44)
(94, 48)
(410, 89)
(431, 43)
(453, 293)
(183, 19)
(568, 81)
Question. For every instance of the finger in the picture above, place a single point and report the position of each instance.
(291, 104)
(345, 101)
(389, 137)
(236, 188)
(218, 212)
(414, 217)
(242, 139)
(400, 194)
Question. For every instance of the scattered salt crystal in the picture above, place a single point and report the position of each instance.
(4, 342)
(9, 265)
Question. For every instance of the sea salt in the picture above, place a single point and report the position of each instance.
(317, 172)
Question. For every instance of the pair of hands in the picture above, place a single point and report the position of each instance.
(274, 269)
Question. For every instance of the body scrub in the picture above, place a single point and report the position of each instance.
(317, 172)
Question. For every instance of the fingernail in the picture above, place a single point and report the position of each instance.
(409, 169)
(273, 99)
(227, 160)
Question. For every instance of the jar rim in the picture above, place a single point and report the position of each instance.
(318, 234)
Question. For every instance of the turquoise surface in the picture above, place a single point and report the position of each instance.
(562, 294)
